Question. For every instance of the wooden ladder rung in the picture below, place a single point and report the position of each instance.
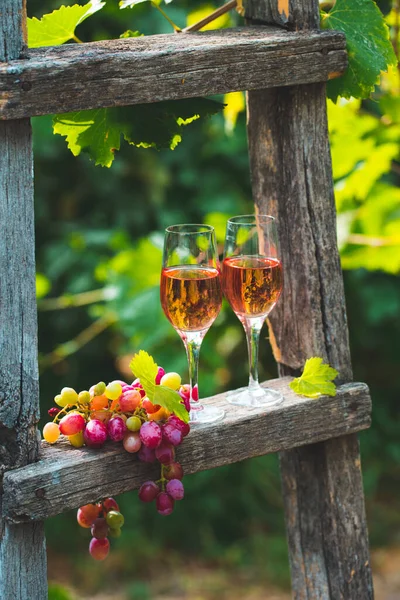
(66, 477)
(76, 77)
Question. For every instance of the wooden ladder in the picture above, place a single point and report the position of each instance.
(283, 61)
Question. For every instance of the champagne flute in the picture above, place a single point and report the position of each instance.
(252, 283)
(191, 298)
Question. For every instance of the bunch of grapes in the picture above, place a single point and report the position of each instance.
(122, 412)
(104, 520)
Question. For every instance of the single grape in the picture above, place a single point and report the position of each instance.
(171, 434)
(175, 489)
(165, 453)
(87, 515)
(115, 519)
(131, 442)
(149, 407)
(53, 412)
(99, 402)
(99, 549)
(72, 423)
(160, 375)
(164, 504)
(179, 424)
(116, 429)
(173, 471)
(99, 529)
(95, 434)
(115, 533)
(171, 380)
(51, 432)
(151, 434)
(161, 415)
(77, 440)
(184, 391)
(99, 388)
(69, 396)
(133, 423)
(84, 397)
(113, 390)
(148, 491)
(130, 400)
(146, 454)
(110, 504)
(59, 400)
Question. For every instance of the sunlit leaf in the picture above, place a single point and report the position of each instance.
(235, 104)
(316, 379)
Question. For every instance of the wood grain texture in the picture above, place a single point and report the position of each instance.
(293, 14)
(65, 477)
(165, 67)
(22, 547)
(292, 179)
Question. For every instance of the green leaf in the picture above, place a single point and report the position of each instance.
(59, 26)
(131, 34)
(98, 132)
(369, 48)
(43, 285)
(144, 367)
(316, 379)
(132, 3)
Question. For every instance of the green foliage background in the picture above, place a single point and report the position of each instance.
(99, 237)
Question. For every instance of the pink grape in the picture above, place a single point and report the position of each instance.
(151, 434)
(116, 429)
(95, 434)
(184, 391)
(137, 385)
(165, 453)
(160, 375)
(148, 491)
(171, 434)
(179, 424)
(53, 412)
(72, 424)
(164, 504)
(129, 400)
(87, 515)
(146, 454)
(175, 489)
(132, 442)
(99, 529)
(110, 504)
(173, 471)
(99, 549)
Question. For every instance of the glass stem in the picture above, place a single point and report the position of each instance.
(192, 343)
(253, 328)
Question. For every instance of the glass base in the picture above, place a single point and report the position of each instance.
(254, 397)
(200, 414)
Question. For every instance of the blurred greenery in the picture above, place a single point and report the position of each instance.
(99, 235)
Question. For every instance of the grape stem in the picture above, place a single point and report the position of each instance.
(211, 17)
(164, 14)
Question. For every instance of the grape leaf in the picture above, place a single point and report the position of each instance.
(59, 26)
(144, 367)
(98, 132)
(131, 34)
(368, 44)
(316, 380)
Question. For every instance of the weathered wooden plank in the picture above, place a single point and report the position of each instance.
(165, 67)
(65, 477)
(291, 174)
(293, 14)
(22, 547)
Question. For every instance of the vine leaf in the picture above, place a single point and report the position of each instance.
(317, 379)
(98, 132)
(145, 368)
(59, 26)
(368, 44)
(132, 3)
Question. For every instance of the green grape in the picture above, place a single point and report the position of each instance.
(133, 423)
(60, 401)
(115, 519)
(113, 390)
(115, 533)
(99, 388)
(84, 397)
(69, 396)
(171, 380)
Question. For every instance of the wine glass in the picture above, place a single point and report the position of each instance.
(252, 283)
(191, 298)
